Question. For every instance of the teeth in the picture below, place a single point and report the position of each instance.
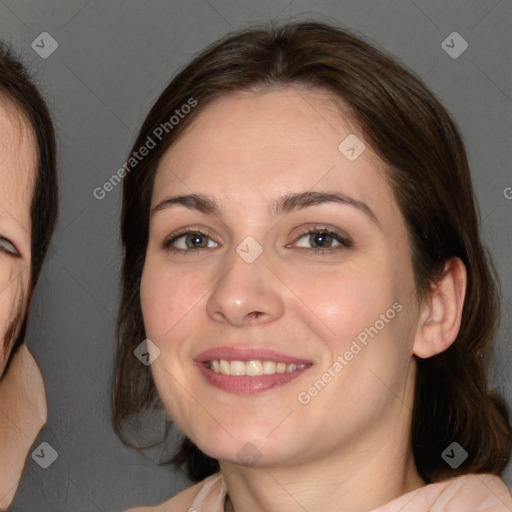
(269, 367)
(236, 368)
(281, 367)
(253, 368)
(224, 367)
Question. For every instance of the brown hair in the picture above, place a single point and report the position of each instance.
(413, 134)
(17, 87)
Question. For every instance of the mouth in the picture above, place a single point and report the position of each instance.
(248, 371)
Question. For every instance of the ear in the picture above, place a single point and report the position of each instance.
(441, 313)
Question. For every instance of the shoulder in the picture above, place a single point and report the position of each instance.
(478, 493)
(485, 491)
(211, 488)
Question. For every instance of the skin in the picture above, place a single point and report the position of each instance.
(352, 440)
(22, 396)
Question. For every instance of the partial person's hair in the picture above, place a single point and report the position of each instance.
(428, 171)
(19, 93)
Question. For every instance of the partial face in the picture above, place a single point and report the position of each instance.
(17, 171)
(286, 318)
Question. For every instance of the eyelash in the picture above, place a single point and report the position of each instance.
(345, 242)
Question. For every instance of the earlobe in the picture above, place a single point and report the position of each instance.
(441, 313)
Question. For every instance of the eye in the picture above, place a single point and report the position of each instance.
(317, 239)
(323, 240)
(193, 239)
(7, 246)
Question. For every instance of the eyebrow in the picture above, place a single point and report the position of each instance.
(283, 205)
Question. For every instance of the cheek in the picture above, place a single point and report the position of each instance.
(367, 311)
(169, 303)
(12, 309)
(6, 302)
(5, 314)
(345, 302)
(155, 297)
(167, 296)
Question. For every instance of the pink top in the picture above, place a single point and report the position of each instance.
(470, 493)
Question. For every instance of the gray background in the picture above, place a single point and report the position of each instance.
(113, 60)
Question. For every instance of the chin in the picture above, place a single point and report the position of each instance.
(251, 447)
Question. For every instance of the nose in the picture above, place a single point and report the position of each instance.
(246, 293)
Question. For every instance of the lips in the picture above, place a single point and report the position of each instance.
(248, 371)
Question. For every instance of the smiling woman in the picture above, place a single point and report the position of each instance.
(316, 186)
(28, 211)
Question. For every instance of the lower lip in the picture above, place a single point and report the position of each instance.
(245, 385)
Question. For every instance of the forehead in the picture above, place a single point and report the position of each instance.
(269, 143)
(267, 124)
(18, 160)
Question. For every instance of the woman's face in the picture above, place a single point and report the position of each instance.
(255, 286)
(17, 171)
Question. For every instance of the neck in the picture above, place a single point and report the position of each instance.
(318, 488)
(22, 415)
(358, 476)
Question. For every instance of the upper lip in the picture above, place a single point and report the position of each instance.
(247, 354)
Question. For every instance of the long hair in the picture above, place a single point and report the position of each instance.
(427, 167)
